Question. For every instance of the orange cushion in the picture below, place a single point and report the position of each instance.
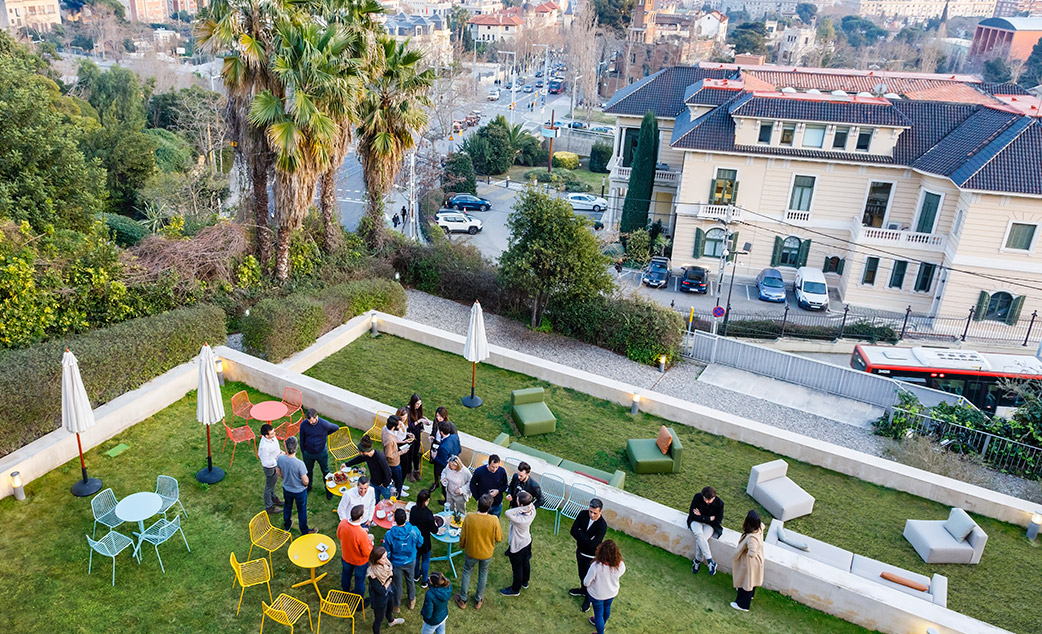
(915, 585)
(664, 440)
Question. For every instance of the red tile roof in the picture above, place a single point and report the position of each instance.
(495, 19)
(547, 7)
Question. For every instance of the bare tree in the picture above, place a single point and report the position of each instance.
(582, 53)
(202, 116)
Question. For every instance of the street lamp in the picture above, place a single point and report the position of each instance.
(746, 248)
(546, 76)
(513, 83)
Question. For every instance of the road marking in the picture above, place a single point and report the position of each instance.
(747, 293)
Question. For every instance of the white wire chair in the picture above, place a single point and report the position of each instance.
(166, 488)
(579, 496)
(159, 533)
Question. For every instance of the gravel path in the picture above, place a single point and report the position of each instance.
(679, 382)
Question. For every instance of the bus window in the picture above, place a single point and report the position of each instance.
(857, 361)
(952, 386)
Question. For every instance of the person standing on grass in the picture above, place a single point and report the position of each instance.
(376, 462)
(268, 450)
(423, 519)
(478, 538)
(359, 495)
(602, 582)
(401, 543)
(447, 448)
(355, 545)
(704, 519)
(380, 591)
(418, 423)
(441, 415)
(490, 478)
(313, 434)
(435, 610)
(456, 482)
(393, 451)
(588, 531)
(522, 481)
(519, 545)
(294, 487)
(747, 565)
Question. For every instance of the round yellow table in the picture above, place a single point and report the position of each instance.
(303, 552)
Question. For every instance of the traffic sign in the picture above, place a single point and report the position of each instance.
(718, 311)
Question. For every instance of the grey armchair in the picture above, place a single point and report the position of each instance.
(956, 540)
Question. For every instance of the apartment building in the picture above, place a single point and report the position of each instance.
(906, 189)
(495, 27)
(1010, 8)
(18, 15)
(427, 33)
(921, 10)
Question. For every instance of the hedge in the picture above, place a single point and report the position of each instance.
(125, 231)
(112, 361)
(279, 327)
(567, 160)
(636, 327)
(600, 155)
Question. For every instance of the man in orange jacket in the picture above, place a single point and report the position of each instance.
(355, 546)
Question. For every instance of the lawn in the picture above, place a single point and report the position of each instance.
(44, 558)
(856, 515)
(517, 174)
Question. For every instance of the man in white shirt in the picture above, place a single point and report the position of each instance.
(268, 450)
(361, 494)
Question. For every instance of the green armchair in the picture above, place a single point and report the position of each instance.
(530, 413)
(646, 457)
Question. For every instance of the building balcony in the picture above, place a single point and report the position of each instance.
(797, 217)
(666, 178)
(709, 211)
(902, 239)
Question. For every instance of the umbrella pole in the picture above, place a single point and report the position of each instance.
(86, 486)
(209, 474)
(209, 455)
(472, 401)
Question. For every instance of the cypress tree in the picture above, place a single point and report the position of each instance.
(642, 177)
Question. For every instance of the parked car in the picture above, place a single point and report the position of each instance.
(694, 280)
(586, 202)
(539, 83)
(658, 272)
(603, 129)
(811, 290)
(770, 286)
(493, 95)
(458, 222)
(457, 126)
(578, 125)
(459, 202)
(528, 89)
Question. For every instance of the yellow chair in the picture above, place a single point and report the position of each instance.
(341, 445)
(287, 611)
(425, 447)
(265, 536)
(342, 605)
(250, 573)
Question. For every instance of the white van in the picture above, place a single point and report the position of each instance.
(811, 290)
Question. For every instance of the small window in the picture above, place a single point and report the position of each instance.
(802, 192)
(924, 280)
(869, 276)
(788, 131)
(897, 275)
(766, 129)
(998, 306)
(714, 245)
(814, 136)
(790, 253)
(833, 264)
(1020, 236)
(864, 140)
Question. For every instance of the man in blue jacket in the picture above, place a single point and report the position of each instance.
(448, 446)
(401, 542)
(313, 434)
(490, 478)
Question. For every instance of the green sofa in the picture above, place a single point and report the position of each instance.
(617, 479)
(645, 456)
(530, 413)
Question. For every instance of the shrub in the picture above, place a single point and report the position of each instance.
(341, 303)
(173, 152)
(638, 246)
(459, 174)
(600, 154)
(125, 232)
(112, 361)
(567, 160)
(636, 327)
(542, 176)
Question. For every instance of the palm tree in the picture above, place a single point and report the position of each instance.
(391, 113)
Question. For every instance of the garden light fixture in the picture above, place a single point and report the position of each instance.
(16, 484)
(1036, 523)
(635, 406)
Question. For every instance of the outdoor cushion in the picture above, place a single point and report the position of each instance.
(932, 540)
(527, 395)
(596, 474)
(792, 539)
(817, 550)
(664, 440)
(959, 524)
(915, 585)
(546, 457)
(530, 413)
(871, 569)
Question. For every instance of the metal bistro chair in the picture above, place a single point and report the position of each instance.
(375, 432)
(425, 449)
(166, 488)
(238, 435)
(112, 544)
(341, 446)
(248, 574)
(553, 495)
(477, 458)
(241, 406)
(103, 505)
(293, 400)
(159, 533)
(287, 429)
(579, 497)
(265, 536)
(343, 605)
(287, 611)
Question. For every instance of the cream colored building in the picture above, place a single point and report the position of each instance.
(428, 33)
(929, 196)
(920, 10)
(41, 15)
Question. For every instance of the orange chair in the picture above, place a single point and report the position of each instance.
(343, 605)
(241, 406)
(293, 400)
(287, 429)
(238, 435)
(250, 573)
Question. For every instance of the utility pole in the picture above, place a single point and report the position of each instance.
(546, 77)
(513, 83)
(553, 132)
(723, 262)
(412, 230)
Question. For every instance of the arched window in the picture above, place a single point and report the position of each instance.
(790, 254)
(833, 264)
(714, 247)
(998, 306)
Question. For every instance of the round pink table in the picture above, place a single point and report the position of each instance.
(269, 411)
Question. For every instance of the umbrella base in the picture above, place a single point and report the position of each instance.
(210, 476)
(84, 488)
(472, 401)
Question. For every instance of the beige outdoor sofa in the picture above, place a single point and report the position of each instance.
(783, 498)
(956, 540)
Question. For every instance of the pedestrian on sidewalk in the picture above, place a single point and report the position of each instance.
(394, 220)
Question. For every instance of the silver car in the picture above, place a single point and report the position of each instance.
(587, 202)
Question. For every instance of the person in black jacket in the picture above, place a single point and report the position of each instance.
(490, 478)
(422, 518)
(522, 481)
(376, 462)
(705, 519)
(588, 531)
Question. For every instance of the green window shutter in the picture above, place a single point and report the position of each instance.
(734, 193)
(700, 243)
(732, 247)
(1014, 310)
(982, 306)
(801, 257)
(825, 266)
(839, 269)
(776, 254)
(712, 192)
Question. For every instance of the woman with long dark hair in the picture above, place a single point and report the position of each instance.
(441, 415)
(381, 594)
(747, 566)
(418, 423)
(602, 581)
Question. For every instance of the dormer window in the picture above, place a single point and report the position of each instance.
(788, 131)
(864, 139)
(766, 129)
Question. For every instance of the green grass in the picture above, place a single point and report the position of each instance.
(517, 174)
(862, 517)
(43, 557)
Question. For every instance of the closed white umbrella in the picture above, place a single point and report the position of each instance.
(475, 350)
(209, 409)
(77, 417)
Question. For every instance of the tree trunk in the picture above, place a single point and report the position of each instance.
(330, 218)
(259, 184)
(282, 255)
(535, 311)
(372, 228)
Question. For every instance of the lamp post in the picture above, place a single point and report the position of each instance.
(746, 248)
(546, 76)
(513, 82)
(1036, 523)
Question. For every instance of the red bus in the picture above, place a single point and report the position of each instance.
(556, 86)
(974, 375)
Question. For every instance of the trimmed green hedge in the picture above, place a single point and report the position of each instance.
(125, 231)
(112, 361)
(279, 327)
(636, 327)
(567, 160)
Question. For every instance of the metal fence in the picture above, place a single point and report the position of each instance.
(816, 375)
(1008, 456)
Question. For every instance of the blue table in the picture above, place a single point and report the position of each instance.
(449, 540)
